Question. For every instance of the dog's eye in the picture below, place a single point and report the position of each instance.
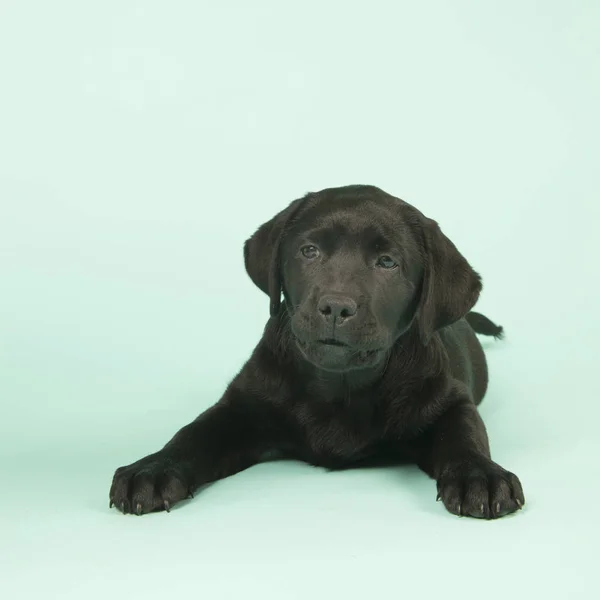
(386, 262)
(309, 251)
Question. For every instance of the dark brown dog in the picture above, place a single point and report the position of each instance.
(372, 354)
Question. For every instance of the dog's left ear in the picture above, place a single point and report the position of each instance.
(450, 285)
(261, 255)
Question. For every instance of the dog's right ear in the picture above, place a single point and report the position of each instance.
(261, 255)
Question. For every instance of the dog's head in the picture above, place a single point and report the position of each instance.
(358, 268)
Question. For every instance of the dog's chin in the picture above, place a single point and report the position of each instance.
(337, 357)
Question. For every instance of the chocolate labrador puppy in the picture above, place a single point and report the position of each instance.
(370, 354)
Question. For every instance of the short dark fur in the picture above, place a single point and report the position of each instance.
(366, 358)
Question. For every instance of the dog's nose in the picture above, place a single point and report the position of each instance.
(337, 308)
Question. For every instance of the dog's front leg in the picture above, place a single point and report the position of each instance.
(227, 438)
(456, 454)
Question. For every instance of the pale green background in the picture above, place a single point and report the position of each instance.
(142, 142)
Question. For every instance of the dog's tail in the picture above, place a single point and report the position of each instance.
(482, 325)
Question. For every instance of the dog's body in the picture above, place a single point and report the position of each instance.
(372, 355)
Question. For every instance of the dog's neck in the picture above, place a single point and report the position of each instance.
(332, 385)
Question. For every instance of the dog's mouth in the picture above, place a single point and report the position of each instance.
(336, 344)
(333, 342)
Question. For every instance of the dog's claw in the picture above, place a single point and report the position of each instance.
(191, 494)
(497, 508)
(167, 506)
(482, 509)
(123, 507)
(519, 503)
(439, 497)
(138, 509)
(111, 504)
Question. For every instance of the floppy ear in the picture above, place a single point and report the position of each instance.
(450, 286)
(261, 255)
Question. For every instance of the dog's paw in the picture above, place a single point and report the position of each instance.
(480, 488)
(153, 483)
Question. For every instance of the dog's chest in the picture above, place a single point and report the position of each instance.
(339, 430)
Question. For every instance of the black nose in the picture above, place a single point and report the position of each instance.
(337, 308)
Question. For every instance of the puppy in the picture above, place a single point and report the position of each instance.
(370, 353)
